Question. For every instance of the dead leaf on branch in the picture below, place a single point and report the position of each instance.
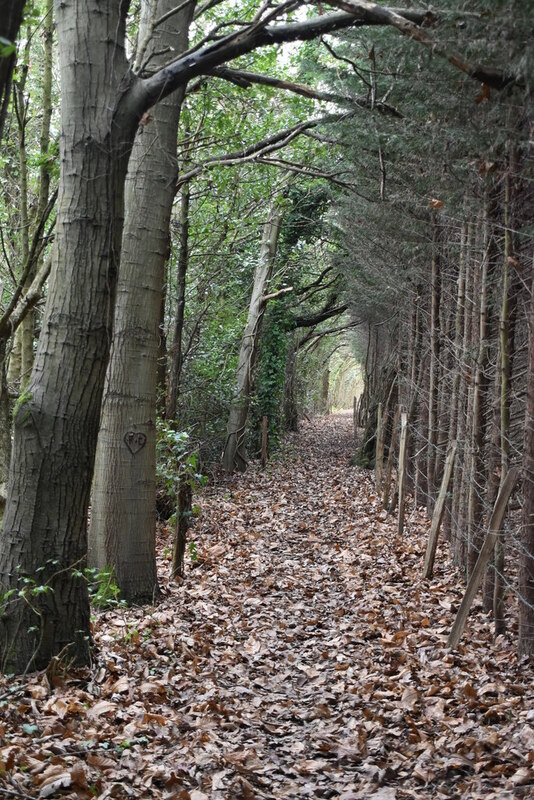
(485, 94)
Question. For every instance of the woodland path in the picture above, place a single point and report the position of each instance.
(302, 657)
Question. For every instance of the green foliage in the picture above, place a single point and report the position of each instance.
(49, 160)
(30, 729)
(193, 551)
(7, 48)
(102, 584)
(5, 598)
(304, 220)
(22, 400)
(29, 587)
(33, 12)
(271, 374)
(177, 460)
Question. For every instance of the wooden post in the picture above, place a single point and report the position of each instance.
(379, 452)
(477, 576)
(183, 520)
(402, 470)
(437, 517)
(391, 456)
(264, 441)
(355, 415)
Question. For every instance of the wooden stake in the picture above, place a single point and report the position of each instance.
(379, 453)
(355, 416)
(391, 456)
(183, 520)
(402, 470)
(264, 441)
(486, 550)
(437, 517)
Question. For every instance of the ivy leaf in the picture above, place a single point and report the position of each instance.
(30, 729)
(6, 47)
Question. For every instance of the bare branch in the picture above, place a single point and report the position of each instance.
(171, 13)
(317, 282)
(245, 79)
(301, 169)
(345, 60)
(32, 296)
(5, 321)
(145, 92)
(274, 295)
(321, 288)
(315, 319)
(261, 148)
(316, 337)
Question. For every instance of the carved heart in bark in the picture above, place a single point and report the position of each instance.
(134, 441)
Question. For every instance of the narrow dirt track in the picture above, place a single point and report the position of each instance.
(302, 657)
(321, 669)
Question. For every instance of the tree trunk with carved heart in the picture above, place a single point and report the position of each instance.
(123, 517)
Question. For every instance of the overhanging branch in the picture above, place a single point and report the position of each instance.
(261, 148)
(144, 93)
(313, 320)
(314, 339)
(245, 80)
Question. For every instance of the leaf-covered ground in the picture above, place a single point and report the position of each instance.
(302, 657)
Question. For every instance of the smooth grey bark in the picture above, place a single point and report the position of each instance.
(123, 514)
(234, 456)
(507, 352)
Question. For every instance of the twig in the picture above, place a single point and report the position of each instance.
(17, 793)
(274, 295)
(11, 692)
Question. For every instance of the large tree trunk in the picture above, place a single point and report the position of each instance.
(56, 420)
(234, 456)
(123, 516)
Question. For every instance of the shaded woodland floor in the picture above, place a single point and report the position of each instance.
(303, 656)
